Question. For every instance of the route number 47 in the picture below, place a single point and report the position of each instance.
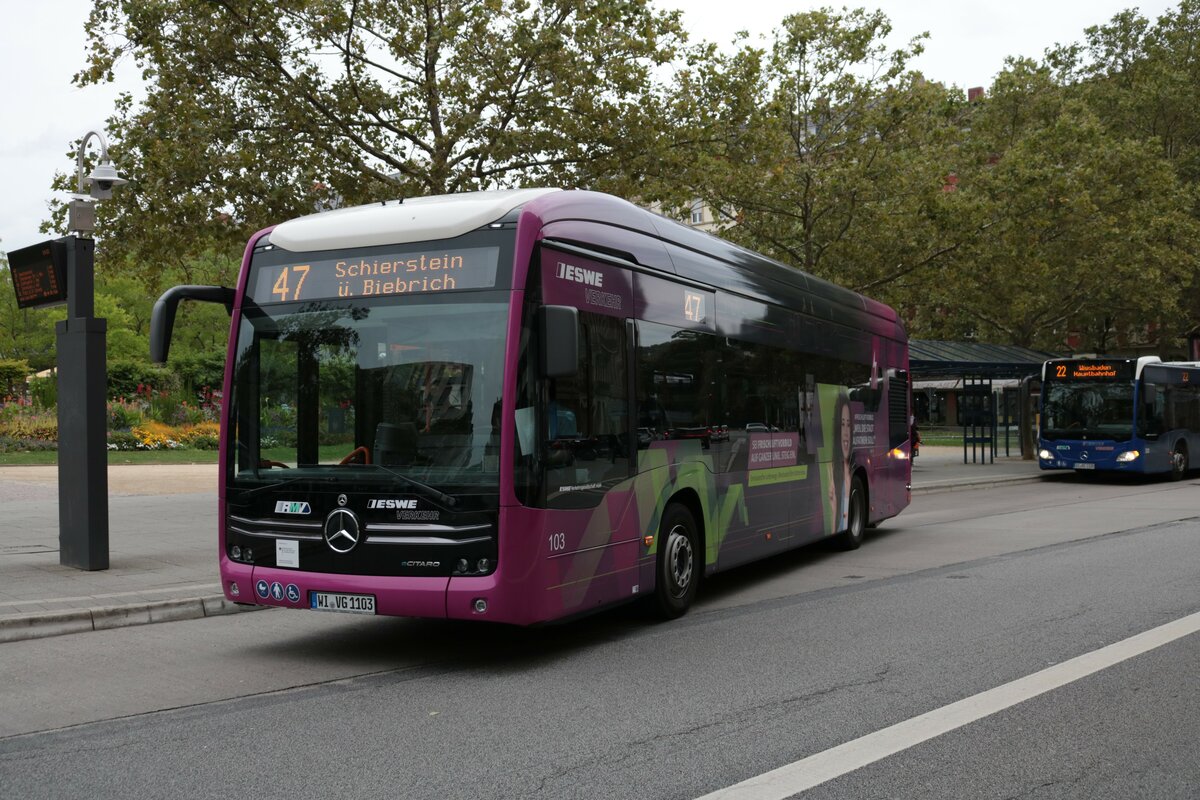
(282, 288)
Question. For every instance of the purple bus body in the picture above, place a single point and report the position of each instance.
(605, 559)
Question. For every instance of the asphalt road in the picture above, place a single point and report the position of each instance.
(963, 593)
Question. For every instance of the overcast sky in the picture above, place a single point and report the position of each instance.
(42, 46)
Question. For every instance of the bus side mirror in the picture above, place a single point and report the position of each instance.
(560, 341)
(162, 318)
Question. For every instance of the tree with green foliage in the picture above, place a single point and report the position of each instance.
(1082, 229)
(262, 110)
(1142, 80)
(822, 149)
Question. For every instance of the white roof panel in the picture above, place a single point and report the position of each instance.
(414, 219)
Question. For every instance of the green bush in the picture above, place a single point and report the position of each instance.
(12, 377)
(123, 415)
(126, 378)
(197, 370)
(122, 440)
(11, 444)
(202, 442)
(44, 392)
(36, 425)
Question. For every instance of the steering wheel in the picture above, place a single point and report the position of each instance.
(268, 464)
(359, 455)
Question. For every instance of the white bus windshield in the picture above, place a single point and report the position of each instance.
(1088, 410)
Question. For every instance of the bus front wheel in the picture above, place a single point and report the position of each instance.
(678, 564)
(1179, 461)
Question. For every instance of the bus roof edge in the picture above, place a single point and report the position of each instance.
(414, 219)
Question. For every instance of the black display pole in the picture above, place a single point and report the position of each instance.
(82, 445)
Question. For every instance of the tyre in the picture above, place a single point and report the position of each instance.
(852, 537)
(679, 563)
(1179, 461)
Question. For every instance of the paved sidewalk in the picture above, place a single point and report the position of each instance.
(163, 544)
(941, 469)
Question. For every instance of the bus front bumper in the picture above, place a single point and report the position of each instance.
(478, 598)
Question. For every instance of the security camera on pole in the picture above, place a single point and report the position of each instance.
(82, 381)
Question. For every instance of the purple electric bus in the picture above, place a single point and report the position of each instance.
(526, 405)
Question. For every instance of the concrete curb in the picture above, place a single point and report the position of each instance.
(56, 623)
(983, 483)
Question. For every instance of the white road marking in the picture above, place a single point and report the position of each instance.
(835, 762)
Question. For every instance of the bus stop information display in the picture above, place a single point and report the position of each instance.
(38, 274)
(426, 272)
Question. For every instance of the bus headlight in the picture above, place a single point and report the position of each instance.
(899, 454)
(1127, 456)
(1045, 455)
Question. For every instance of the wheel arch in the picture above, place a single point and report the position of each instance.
(690, 499)
(860, 472)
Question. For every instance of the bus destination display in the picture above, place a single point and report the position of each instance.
(426, 272)
(37, 274)
(1091, 370)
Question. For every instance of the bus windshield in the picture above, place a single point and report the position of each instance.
(367, 390)
(1088, 410)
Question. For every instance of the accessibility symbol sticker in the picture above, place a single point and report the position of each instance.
(293, 593)
(277, 590)
(263, 589)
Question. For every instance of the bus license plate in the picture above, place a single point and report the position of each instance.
(1085, 466)
(344, 603)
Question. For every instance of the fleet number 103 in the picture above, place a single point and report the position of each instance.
(558, 542)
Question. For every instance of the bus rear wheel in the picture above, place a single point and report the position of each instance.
(678, 567)
(852, 537)
(1179, 461)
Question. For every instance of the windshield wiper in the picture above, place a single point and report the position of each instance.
(440, 496)
(447, 500)
(289, 482)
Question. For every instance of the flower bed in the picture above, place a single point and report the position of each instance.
(153, 435)
(132, 425)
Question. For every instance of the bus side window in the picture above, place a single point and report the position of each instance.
(586, 441)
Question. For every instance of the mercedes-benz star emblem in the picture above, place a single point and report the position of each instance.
(342, 530)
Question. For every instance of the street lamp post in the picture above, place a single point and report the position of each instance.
(82, 379)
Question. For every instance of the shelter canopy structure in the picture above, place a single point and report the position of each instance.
(930, 359)
(975, 373)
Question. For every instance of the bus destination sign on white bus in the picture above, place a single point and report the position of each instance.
(378, 275)
(1091, 370)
